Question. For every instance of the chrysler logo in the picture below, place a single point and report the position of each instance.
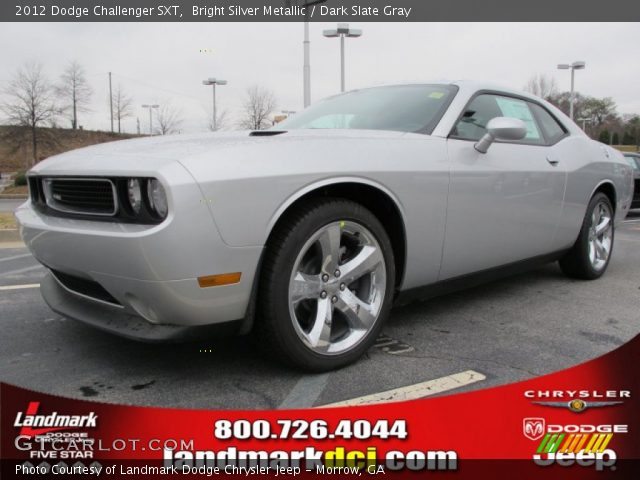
(533, 428)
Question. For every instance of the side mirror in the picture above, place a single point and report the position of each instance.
(501, 128)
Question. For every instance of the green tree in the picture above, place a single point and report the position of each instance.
(632, 126)
(599, 110)
(604, 136)
(562, 99)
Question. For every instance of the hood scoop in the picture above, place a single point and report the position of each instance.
(266, 133)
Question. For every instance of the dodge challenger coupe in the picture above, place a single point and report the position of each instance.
(307, 233)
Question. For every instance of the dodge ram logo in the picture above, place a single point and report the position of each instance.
(533, 428)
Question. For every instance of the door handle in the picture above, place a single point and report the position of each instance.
(553, 160)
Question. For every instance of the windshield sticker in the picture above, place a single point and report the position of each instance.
(510, 107)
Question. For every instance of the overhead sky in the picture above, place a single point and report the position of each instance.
(160, 63)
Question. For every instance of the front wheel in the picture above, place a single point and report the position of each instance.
(326, 286)
(589, 257)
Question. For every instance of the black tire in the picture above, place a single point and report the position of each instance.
(274, 330)
(576, 263)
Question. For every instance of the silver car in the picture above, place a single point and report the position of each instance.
(634, 160)
(308, 233)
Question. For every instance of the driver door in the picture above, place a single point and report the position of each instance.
(504, 205)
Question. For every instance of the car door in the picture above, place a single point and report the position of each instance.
(504, 205)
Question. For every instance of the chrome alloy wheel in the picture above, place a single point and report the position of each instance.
(337, 287)
(600, 236)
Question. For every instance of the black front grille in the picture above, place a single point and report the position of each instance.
(90, 198)
(85, 287)
(84, 196)
(636, 192)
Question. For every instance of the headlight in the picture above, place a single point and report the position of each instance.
(134, 194)
(157, 198)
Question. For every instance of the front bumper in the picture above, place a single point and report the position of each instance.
(151, 271)
(117, 320)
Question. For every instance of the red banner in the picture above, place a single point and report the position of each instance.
(578, 423)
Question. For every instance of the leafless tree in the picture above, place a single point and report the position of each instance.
(259, 104)
(168, 119)
(76, 91)
(30, 103)
(542, 86)
(122, 106)
(221, 121)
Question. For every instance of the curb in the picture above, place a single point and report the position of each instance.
(13, 196)
(10, 235)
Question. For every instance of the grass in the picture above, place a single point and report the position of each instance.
(7, 221)
(626, 148)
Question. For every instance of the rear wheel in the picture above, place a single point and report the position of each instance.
(326, 286)
(589, 257)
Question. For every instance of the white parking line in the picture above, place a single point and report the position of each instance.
(20, 287)
(15, 257)
(412, 392)
(305, 392)
(21, 270)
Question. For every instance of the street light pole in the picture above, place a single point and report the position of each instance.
(578, 65)
(342, 31)
(214, 82)
(342, 63)
(111, 101)
(306, 67)
(150, 107)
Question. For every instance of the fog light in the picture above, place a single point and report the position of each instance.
(134, 194)
(157, 198)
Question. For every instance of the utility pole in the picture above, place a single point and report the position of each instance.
(150, 107)
(306, 46)
(306, 67)
(111, 101)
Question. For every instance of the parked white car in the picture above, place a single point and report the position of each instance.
(307, 233)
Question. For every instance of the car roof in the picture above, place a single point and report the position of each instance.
(474, 86)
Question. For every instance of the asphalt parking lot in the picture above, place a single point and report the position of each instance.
(501, 332)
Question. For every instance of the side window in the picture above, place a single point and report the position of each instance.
(473, 124)
(552, 129)
(633, 161)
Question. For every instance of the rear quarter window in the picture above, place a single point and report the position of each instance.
(553, 130)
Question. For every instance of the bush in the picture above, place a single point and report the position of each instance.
(20, 180)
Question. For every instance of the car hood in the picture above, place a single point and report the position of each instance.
(139, 156)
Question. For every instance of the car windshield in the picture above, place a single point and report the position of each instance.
(406, 108)
(633, 161)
